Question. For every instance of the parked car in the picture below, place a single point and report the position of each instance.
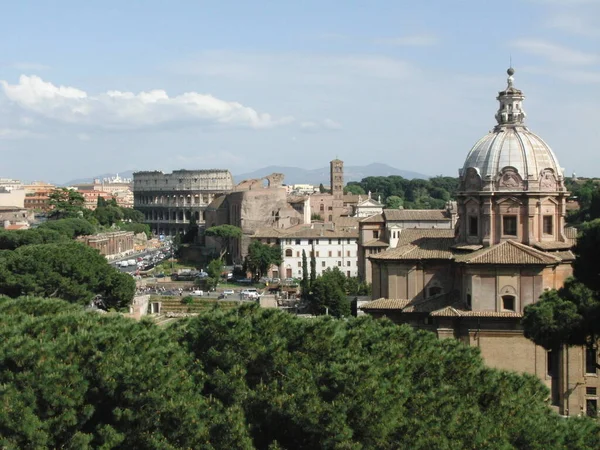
(198, 293)
(228, 292)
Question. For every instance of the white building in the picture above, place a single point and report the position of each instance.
(368, 207)
(332, 247)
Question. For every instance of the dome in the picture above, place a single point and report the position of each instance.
(511, 157)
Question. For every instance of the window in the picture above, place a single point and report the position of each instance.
(508, 302)
(329, 253)
(316, 241)
(339, 253)
(509, 225)
(591, 407)
(548, 225)
(310, 241)
(317, 253)
(590, 359)
(322, 263)
(288, 252)
(348, 274)
(591, 391)
(297, 254)
(339, 242)
(297, 241)
(348, 253)
(330, 243)
(469, 300)
(473, 226)
(434, 290)
(550, 363)
(299, 263)
(339, 264)
(348, 263)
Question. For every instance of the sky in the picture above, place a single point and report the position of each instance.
(92, 87)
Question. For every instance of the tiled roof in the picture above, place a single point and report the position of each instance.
(508, 252)
(305, 231)
(467, 247)
(346, 222)
(553, 245)
(450, 311)
(377, 218)
(415, 214)
(375, 243)
(386, 304)
(567, 255)
(415, 244)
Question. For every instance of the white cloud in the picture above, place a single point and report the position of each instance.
(417, 40)
(315, 126)
(127, 110)
(11, 133)
(556, 53)
(84, 137)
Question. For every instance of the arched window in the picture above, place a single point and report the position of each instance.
(288, 252)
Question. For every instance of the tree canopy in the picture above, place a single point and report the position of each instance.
(225, 234)
(571, 315)
(65, 203)
(71, 227)
(414, 194)
(68, 270)
(258, 378)
(260, 257)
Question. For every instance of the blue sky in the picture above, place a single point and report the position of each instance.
(93, 87)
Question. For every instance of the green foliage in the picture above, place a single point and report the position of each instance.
(304, 283)
(354, 188)
(225, 234)
(214, 270)
(10, 240)
(187, 300)
(260, 257)
(68, 270)
(258, 378)
(394, 202)
(70, 379)
(316, 217)
(571, 315)
(361, 383)
(66, 203)
(322, 189)
(135, 227)
(133, 215)
(413, 194)
(108, 215)
(70, 228)
(327, 294)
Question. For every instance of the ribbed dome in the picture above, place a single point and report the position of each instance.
(511, 157)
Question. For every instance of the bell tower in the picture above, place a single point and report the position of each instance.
(336, 179)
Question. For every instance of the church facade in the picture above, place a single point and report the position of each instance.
(509, 245)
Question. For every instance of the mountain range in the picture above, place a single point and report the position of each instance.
(297, 175)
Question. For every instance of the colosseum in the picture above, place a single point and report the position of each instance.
(170, 200)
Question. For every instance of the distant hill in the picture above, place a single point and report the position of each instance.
(295, 175)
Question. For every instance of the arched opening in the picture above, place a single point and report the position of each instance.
(288, 252)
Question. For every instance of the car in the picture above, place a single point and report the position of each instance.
(228, 292)
(198, 293)
(250, 293)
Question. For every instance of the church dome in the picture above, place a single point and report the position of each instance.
(511, 157)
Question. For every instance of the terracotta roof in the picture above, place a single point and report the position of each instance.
(416, 214)
(567, 255)
(450, 311)
(430, 304)
(467, 247)
(16, 227)
(508, 252)
(305, 231)
(351, 198)
(375, 243)
(386, 304)
(552, 245)
(377, 218)
(346, 222)
(421, 244)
